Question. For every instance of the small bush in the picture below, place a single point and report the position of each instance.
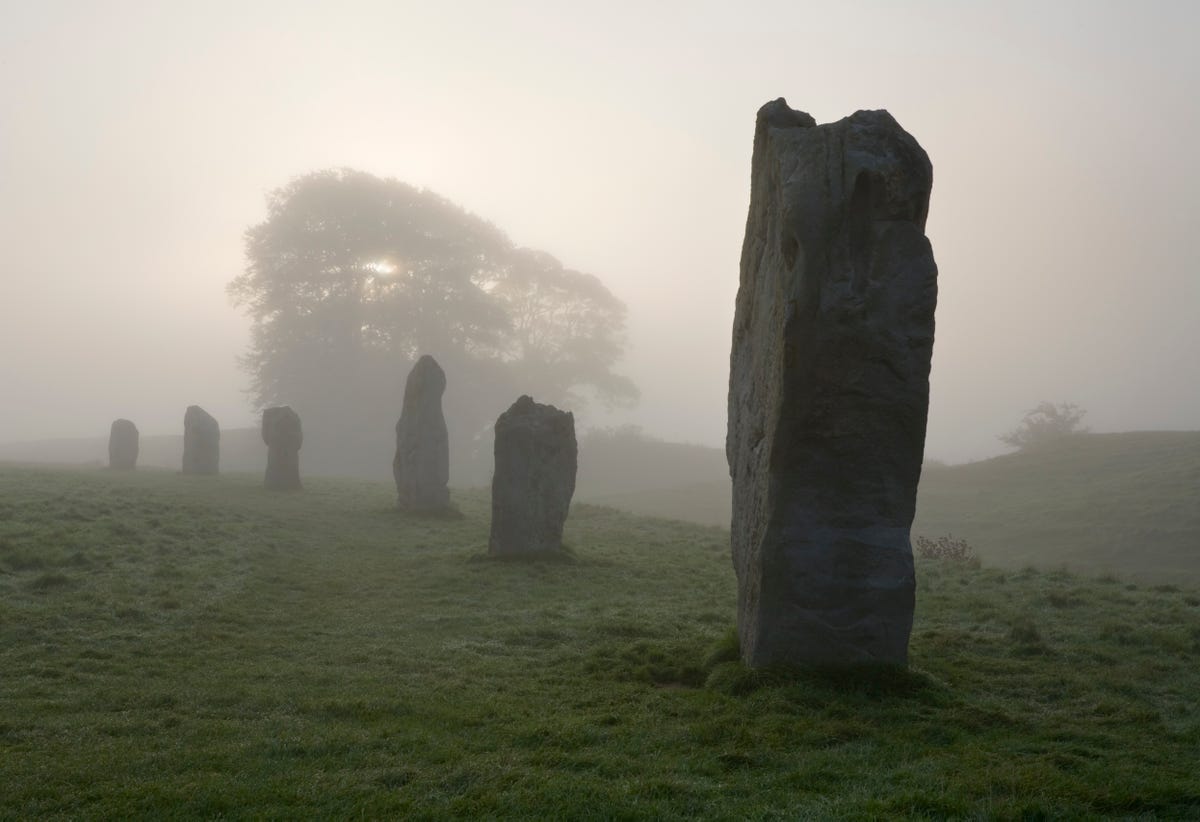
(947, 548)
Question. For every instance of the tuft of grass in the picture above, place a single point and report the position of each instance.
(946, 548)
(49, 582)
(1025, 635)
(1063, 599)
(725, 650)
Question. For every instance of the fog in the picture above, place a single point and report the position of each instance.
(138, 141)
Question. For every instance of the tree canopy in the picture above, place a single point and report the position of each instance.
(351, 277)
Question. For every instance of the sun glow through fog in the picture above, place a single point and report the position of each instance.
(384, 269)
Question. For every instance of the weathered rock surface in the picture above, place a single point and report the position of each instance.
(421, 466)
(534, 479)
(281, 432)
(122, 445)
(201, 441)
(829, 388)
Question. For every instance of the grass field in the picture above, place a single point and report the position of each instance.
(185, 646)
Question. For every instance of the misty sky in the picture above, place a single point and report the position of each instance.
(137, 142)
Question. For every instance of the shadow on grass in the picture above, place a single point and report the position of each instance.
(727, 674)
(563, 556)
(50, 582)
(450, 512)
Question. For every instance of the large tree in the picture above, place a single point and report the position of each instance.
(351, 277)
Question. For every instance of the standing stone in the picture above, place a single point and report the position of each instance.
(534, 478)
(829, 389)
(123, 445)
(421, 466)
(201, 441)
(281, 432)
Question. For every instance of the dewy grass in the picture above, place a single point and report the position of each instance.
(198, 646)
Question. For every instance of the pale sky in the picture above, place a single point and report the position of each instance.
(138, 139)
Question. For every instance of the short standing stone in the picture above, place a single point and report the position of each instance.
(534, 478)
(281, 432)
(123, 445)
(829, 389)
(201, 441)
(421, 466)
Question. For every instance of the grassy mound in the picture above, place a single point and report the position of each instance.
(1128, 503)
(1124, 503)
(197, 646)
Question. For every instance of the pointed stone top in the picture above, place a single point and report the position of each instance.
(778, 114)
(426, 373)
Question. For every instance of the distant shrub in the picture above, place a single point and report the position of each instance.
(947, 548)
(1046, 423)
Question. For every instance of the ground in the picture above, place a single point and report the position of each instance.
(198, 646)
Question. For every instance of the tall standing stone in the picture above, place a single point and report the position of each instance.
(281, 432)
(829, 388)
(122, 445)
(534, 479)
(421, 466)
(201, 441)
